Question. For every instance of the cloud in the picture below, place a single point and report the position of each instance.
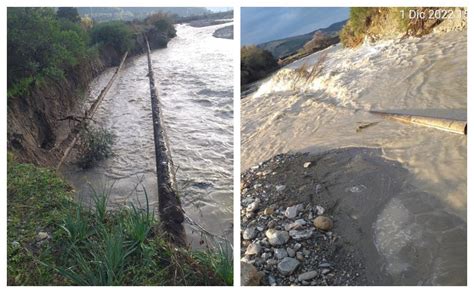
(259, 25)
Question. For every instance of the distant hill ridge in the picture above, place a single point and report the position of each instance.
(287, 46)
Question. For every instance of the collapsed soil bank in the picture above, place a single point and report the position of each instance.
(35, 128)
(386, 231)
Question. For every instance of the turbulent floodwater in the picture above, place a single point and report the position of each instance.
(195, 88)
(427, 76)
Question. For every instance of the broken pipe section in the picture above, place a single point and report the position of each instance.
(455, 126)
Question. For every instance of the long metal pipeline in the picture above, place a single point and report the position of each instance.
(451, 125)
(169, 206)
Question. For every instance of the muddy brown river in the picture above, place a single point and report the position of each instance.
(419, 235)
(195, 87)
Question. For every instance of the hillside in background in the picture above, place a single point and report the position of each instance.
(288, 46)
(130, 13)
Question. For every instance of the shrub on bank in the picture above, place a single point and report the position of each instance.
(255, 64)
(373, 22)
(115, 34)
(163, 23)
(95, 146)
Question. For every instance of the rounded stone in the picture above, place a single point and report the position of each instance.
(249, 233)
(288, 265)
(280, 253)
(249, 276)
(307, 276)
(323, 223)
(253, 249)
(276, 237)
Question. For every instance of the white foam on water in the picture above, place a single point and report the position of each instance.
(394, 230)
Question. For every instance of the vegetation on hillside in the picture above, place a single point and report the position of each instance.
(41, 47)
(379, 22)
(255, 64)
(54, 241)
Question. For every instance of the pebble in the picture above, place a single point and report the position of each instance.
(268, 211)
(296, 225)
(291, 212)
(323, 223)
(271, 224)
(280, 188)
(42, 236)
(320, 210)
(280, 253)
(249, 276)
(299, 256)
(307, 276)
(271, 280)
(247, 201)
(291, 252)
(288, 265)
(253, 206)
(249, 233)
(325, 271)
(297, 246)
(300, 235)
(272, 262)
(276, 237)
(307, 164)
(266, 255)
(253, 249)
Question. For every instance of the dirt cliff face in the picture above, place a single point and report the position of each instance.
(34, 126)
(35, 129)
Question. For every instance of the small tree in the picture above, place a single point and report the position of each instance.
(96, 145)
(163, 23)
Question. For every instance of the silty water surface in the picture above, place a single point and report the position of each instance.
(422, 238)
(195, 87)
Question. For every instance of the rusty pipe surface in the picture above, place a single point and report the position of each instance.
(450, 125)
(169, 206)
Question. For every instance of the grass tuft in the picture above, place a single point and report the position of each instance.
(93, 246)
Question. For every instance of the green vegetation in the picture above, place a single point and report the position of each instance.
(163, 23)
(374, 22)
(96, 145)
(69, 13)
(54, 241)
(379, 22)
(255, 64)
(41, 47)
(115, 34)
(47, 47)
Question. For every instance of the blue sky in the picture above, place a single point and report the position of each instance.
(259, 25)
